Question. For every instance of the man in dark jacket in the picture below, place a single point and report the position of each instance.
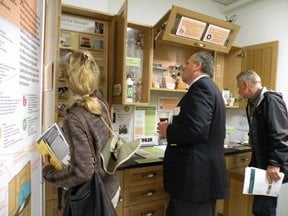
(194, 165)
(268, 134)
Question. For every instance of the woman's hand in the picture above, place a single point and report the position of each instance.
(46, 160)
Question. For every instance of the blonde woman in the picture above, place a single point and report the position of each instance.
(82, 75)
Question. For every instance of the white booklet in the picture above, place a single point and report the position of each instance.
(53, 143)
(256, 183)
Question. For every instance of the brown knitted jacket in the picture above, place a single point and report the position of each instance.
(81, 167)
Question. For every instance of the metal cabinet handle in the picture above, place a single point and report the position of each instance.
(244, 159)
(148, 193)
(148, 213)
(150, 175)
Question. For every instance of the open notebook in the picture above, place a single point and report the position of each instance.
(53, 143)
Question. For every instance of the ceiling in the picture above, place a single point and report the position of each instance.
(226, 2)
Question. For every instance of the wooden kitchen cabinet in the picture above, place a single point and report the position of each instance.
(233, 161)
(143, 192)
(183, 26)
(239, 204)
(234, 206)
(174, 43)
(164, 45)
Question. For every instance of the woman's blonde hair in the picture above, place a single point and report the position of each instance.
(82, 74)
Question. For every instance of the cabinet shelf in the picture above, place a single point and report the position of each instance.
(168, 90)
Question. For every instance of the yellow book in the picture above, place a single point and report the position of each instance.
(53, 143)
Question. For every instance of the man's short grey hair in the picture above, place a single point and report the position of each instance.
(250, 76)
(207, 62)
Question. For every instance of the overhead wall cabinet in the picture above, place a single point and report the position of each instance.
(187, 27)
(150, 58)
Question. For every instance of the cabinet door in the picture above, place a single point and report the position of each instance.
(133, 62)
(120, 53)
(138, 63)
(82, 29)
(238, 204)
(263, 59)
(259, 57)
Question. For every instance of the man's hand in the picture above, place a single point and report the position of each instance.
(161, 128)
(272, 173)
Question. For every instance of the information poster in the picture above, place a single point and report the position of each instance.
(167, 103)
(145, 125)
(21, 40)
(122, 121)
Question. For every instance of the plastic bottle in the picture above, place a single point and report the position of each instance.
(130, 90)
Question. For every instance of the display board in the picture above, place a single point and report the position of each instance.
(21, 54)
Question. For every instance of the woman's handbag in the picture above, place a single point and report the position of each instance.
(90, 198)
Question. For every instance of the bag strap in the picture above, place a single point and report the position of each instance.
(110, 129)
(90, 139)
(109, 118)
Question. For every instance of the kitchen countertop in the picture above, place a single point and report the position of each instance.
(131, 163)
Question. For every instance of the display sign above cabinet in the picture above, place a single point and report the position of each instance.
(191, 28)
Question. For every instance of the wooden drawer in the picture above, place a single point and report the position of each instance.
(144, 194)
(238, 160)
(143, 176)
(156, 208)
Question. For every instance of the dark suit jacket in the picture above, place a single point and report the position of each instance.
(194, 169)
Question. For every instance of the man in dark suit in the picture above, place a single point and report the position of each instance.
(194, 165)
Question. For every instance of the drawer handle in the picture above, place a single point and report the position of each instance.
(244, 159)
(148, 213)
(149, 193)
(150, 175)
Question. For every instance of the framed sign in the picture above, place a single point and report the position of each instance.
(216, 35)
(190, 28)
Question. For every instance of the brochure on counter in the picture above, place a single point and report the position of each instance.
(151, 154)
(53, 143)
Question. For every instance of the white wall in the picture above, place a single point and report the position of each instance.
(148, 12)
(265, 21)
